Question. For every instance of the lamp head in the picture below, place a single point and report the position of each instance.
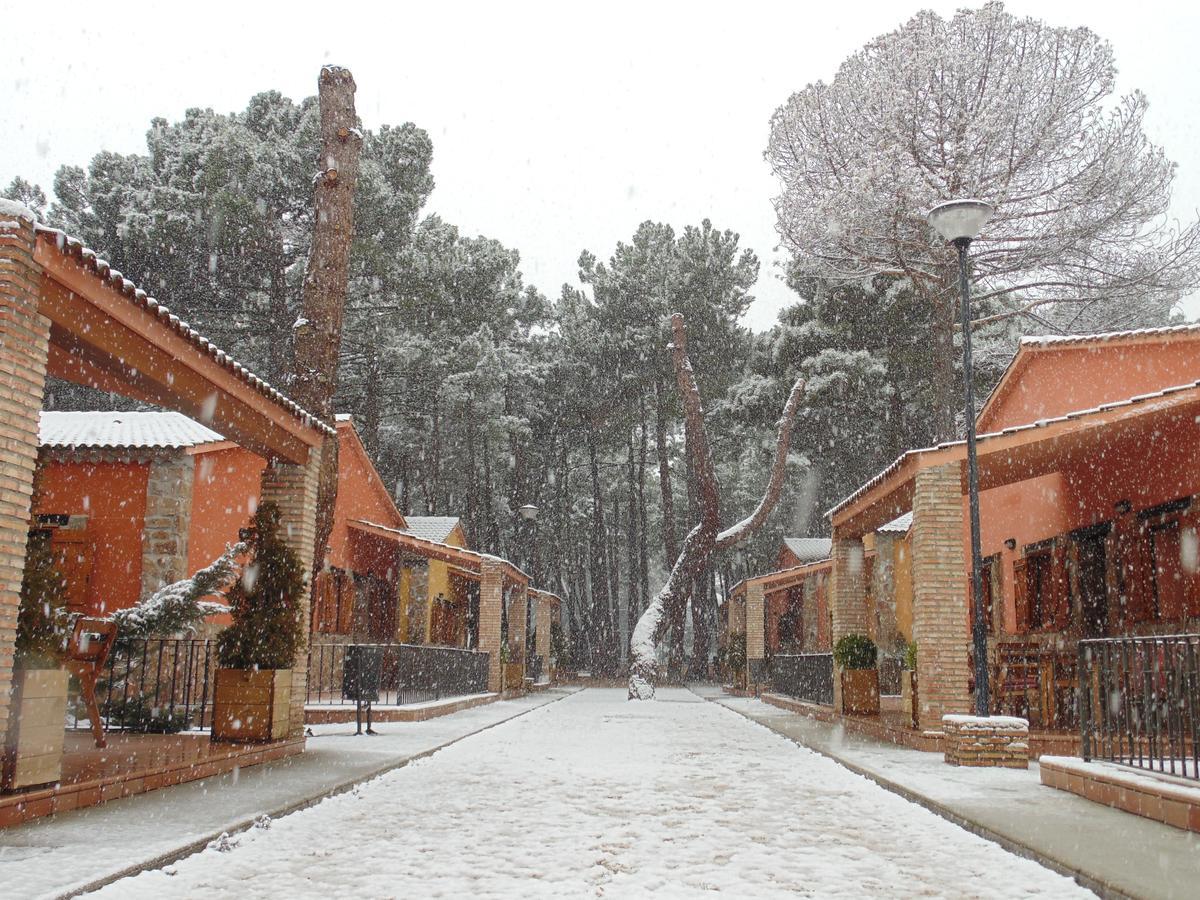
(960, 220)
(528, 512)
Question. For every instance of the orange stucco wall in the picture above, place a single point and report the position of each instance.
(361, 495)
(1057, 380)
(224, 495)
(113, 497)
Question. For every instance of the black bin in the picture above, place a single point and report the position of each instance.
(361, 673)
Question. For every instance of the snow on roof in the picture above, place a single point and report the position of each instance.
(13, 209)
(343, 417)
(809, 549)
(432, 528)
(143, 430)
(900, 524)
(1015, 429)
(86, 257)
(1059, 340)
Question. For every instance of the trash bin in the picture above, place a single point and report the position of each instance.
(361, 673)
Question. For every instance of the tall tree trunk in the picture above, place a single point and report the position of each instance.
(643, 520)
(601, 598)
(670, 545)
(319, 339)
(632, 606)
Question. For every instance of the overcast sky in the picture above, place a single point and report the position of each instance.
(556, 126)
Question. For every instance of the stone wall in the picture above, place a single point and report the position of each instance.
(168, 520)
(993, 741)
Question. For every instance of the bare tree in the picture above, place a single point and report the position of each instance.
(319, 329)
(1014, 112)
(706, 536)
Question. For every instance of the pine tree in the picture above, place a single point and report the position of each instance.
(265, 603)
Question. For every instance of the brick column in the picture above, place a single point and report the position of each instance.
(491, 598)
(545, 618)
(293, 489)
(940, 596)
(24, 345)
(755, 632)
(518, 617)
(847, 598)
(167, 522)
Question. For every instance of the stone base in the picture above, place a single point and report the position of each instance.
(986, 741)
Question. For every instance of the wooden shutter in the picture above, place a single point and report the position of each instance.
(1021, 595)
(1060, 589)
(73, 556)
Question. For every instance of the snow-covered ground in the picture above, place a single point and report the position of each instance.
(597, 796)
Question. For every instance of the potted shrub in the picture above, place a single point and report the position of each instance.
(735, 658)
(252, 698)
(855, 655)
(513, 670)
(908, 684)
(34, 748)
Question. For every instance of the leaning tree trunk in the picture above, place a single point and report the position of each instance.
(705, 536)
(326, 280)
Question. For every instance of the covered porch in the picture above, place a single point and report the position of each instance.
(1087, 528)
(65, 312)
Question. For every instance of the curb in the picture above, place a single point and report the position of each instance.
(241, 825)
(1100, 888)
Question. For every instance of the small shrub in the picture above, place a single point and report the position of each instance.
(265, 602)
(735, 653)
(137, 715)
(43, 622)
(855, 651)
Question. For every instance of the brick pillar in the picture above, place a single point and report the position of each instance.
(491, 598)
(545, 619)
(847, 598)
(940, 596)
(168, 521)
(755, 632)
(293, 489)
(518, 618)
(24, 344)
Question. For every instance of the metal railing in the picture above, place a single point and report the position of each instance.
(1139, 700)
(805, 676)
(156, 685)
(409, 673)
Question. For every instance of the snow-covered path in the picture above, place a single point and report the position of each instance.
(596, 796)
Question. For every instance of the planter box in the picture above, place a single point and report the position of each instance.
(860, 692)
(514, 676)
(251, 706)
(34, 751)
(908, 695)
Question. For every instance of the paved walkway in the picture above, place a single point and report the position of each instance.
(1111, 851)
(597, 796)
(64, 854)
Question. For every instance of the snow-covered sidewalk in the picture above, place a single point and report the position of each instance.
(594, 796)
(50, 857)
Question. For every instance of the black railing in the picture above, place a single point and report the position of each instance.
(805, 676)
(160, 685)
(408, 673)
(1138, 702)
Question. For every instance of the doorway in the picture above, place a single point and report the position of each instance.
(1091, 583)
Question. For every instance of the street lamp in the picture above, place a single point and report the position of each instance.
(959, 222)
(528, 512)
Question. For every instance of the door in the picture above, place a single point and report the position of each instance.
(1091, 584)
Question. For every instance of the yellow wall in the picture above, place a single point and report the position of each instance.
(903, 584)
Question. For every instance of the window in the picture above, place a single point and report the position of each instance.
(1038, 579)
(1166, 581)
(1043, 601)
(990, 573)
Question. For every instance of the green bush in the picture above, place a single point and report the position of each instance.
(855, 651)
(265, 603)
(137, 715)
(735, 653)
(42, 620)
(910, 656)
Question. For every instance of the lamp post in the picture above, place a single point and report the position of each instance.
(959, 222)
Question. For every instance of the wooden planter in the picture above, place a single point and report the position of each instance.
(251, 706)
(860, 692)
(514, 676)
(34, 751)
(908, 696)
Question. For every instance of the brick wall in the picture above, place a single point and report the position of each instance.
(294, 490)
(847, 598)
(167, 521)
(24, 344)
(491, 597)
(545, 618)
(755, 622)
(940, 595)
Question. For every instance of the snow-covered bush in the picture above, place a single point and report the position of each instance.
(179, 608)
(855, 651)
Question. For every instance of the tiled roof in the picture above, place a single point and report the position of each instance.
(431, 528)
(143, 430)
(1059, 340)
(88, 258)
(900, 524)
(809, 549)
(1015, 429)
